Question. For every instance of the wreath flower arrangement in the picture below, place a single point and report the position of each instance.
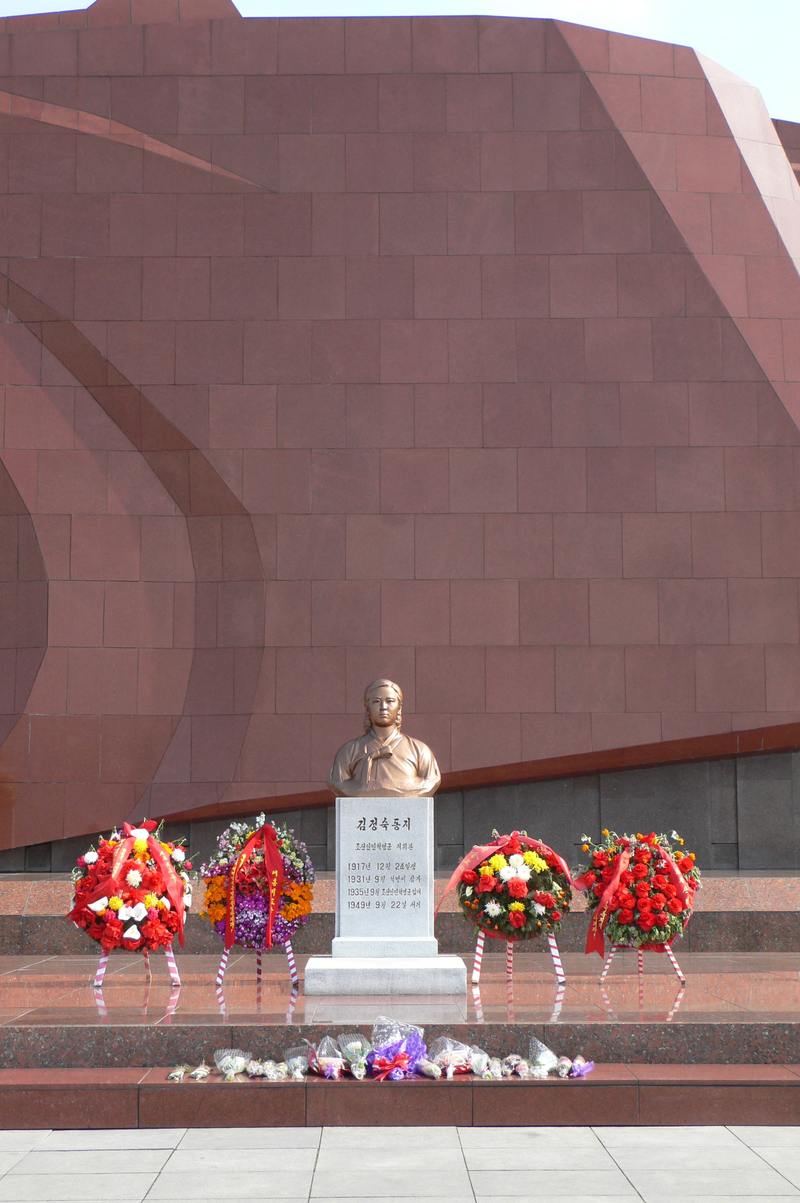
(258, 885)
(639, 888)
(133, 890)
(514, 888)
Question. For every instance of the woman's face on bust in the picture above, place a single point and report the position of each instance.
(383, 707)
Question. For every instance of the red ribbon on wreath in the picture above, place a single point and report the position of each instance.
(482, 852)
(173, 882)
(595, 936)
(266, 837)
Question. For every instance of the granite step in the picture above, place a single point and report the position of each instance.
(632, 1093)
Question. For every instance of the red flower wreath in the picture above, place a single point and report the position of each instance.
(132, 891)
(639, 888)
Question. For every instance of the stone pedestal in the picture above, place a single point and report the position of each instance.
(384, 941)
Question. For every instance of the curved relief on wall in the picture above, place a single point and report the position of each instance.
(458, 350)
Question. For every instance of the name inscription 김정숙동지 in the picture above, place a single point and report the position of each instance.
(384, 883)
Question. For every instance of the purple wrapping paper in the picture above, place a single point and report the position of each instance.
(412, 1044)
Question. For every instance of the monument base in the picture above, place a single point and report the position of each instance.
(385, 975)
(385, 946)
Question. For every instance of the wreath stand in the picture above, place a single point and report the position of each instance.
(169, 955)
(174, 977)
(615, 948)
(558, 969)
(294, 978)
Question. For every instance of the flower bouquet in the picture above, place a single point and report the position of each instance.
(513, 889)
(640, 891)
(258, 888)
(132, 892)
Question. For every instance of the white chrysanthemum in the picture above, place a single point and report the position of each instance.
(516, 860)
(523, 872)
(90, 857)
(134, 878)
(493, 908)
(178, 855)
(507, 873)
(538, 908)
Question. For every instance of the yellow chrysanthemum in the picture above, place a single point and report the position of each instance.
(140, 847)
(115, 903)
(497, 862)
(485, 871)
(150, 901)
(516, 906)
(536, 862)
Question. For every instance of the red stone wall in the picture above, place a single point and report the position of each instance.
(459, 350)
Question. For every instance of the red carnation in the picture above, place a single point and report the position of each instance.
(642, 854)
(644, 904)
(660, 881)
(625, 916)
(642, 889)
(517, 888)
(516, 918)
(486, 883)
(626, 877)
(675, 906)
(469, 877)
(598, 890)
(555, 916)
(639, 871)
(659, 901)
(590, 878)
(600, 858)
(661, 918)
(646, 921)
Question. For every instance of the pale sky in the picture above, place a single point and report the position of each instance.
(757, 39)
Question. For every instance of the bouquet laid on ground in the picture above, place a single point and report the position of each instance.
(133, 890)
(396, 1052)
(640, 889)
(514, 888)
(258, 885)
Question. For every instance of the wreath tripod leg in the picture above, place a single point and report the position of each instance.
(293, 974)
(476, 965)
(674, 962)
(174, 976)
(100, 972)
(558, 966)
(607, 964)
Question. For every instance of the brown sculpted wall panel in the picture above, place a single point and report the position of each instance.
(459, 351)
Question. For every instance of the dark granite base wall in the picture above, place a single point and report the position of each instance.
(709, 931)
(740, 813)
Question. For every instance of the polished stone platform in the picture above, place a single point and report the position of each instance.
(735, 1008)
